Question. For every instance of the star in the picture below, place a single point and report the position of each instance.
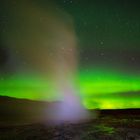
(16, 51)
(102, 54)
(1, 78)
(68, 1)
(101, 42)
(133, 58)
(85, 23)
(86, 58)
(96, 26)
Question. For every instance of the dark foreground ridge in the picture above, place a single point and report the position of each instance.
(105, 128)
(18, 121)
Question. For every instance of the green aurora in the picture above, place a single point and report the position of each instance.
(108, 34)
(103, 89)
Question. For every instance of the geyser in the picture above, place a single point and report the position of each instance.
(45, 40)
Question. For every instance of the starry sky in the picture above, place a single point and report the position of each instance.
(108, 31)
(109, 54)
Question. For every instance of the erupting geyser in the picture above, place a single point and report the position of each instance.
(45, 40)
(69, 110)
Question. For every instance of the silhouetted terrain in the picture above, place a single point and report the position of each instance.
(24, 120)
(20, 111)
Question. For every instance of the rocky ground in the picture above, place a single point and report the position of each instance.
(17, 114)
(103, 128)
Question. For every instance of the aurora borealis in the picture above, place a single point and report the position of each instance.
(108, 75)
(99, 89)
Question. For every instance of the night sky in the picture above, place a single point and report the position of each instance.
(108, 35)
(108, 32)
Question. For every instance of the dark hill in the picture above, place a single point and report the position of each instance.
(20, 111)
